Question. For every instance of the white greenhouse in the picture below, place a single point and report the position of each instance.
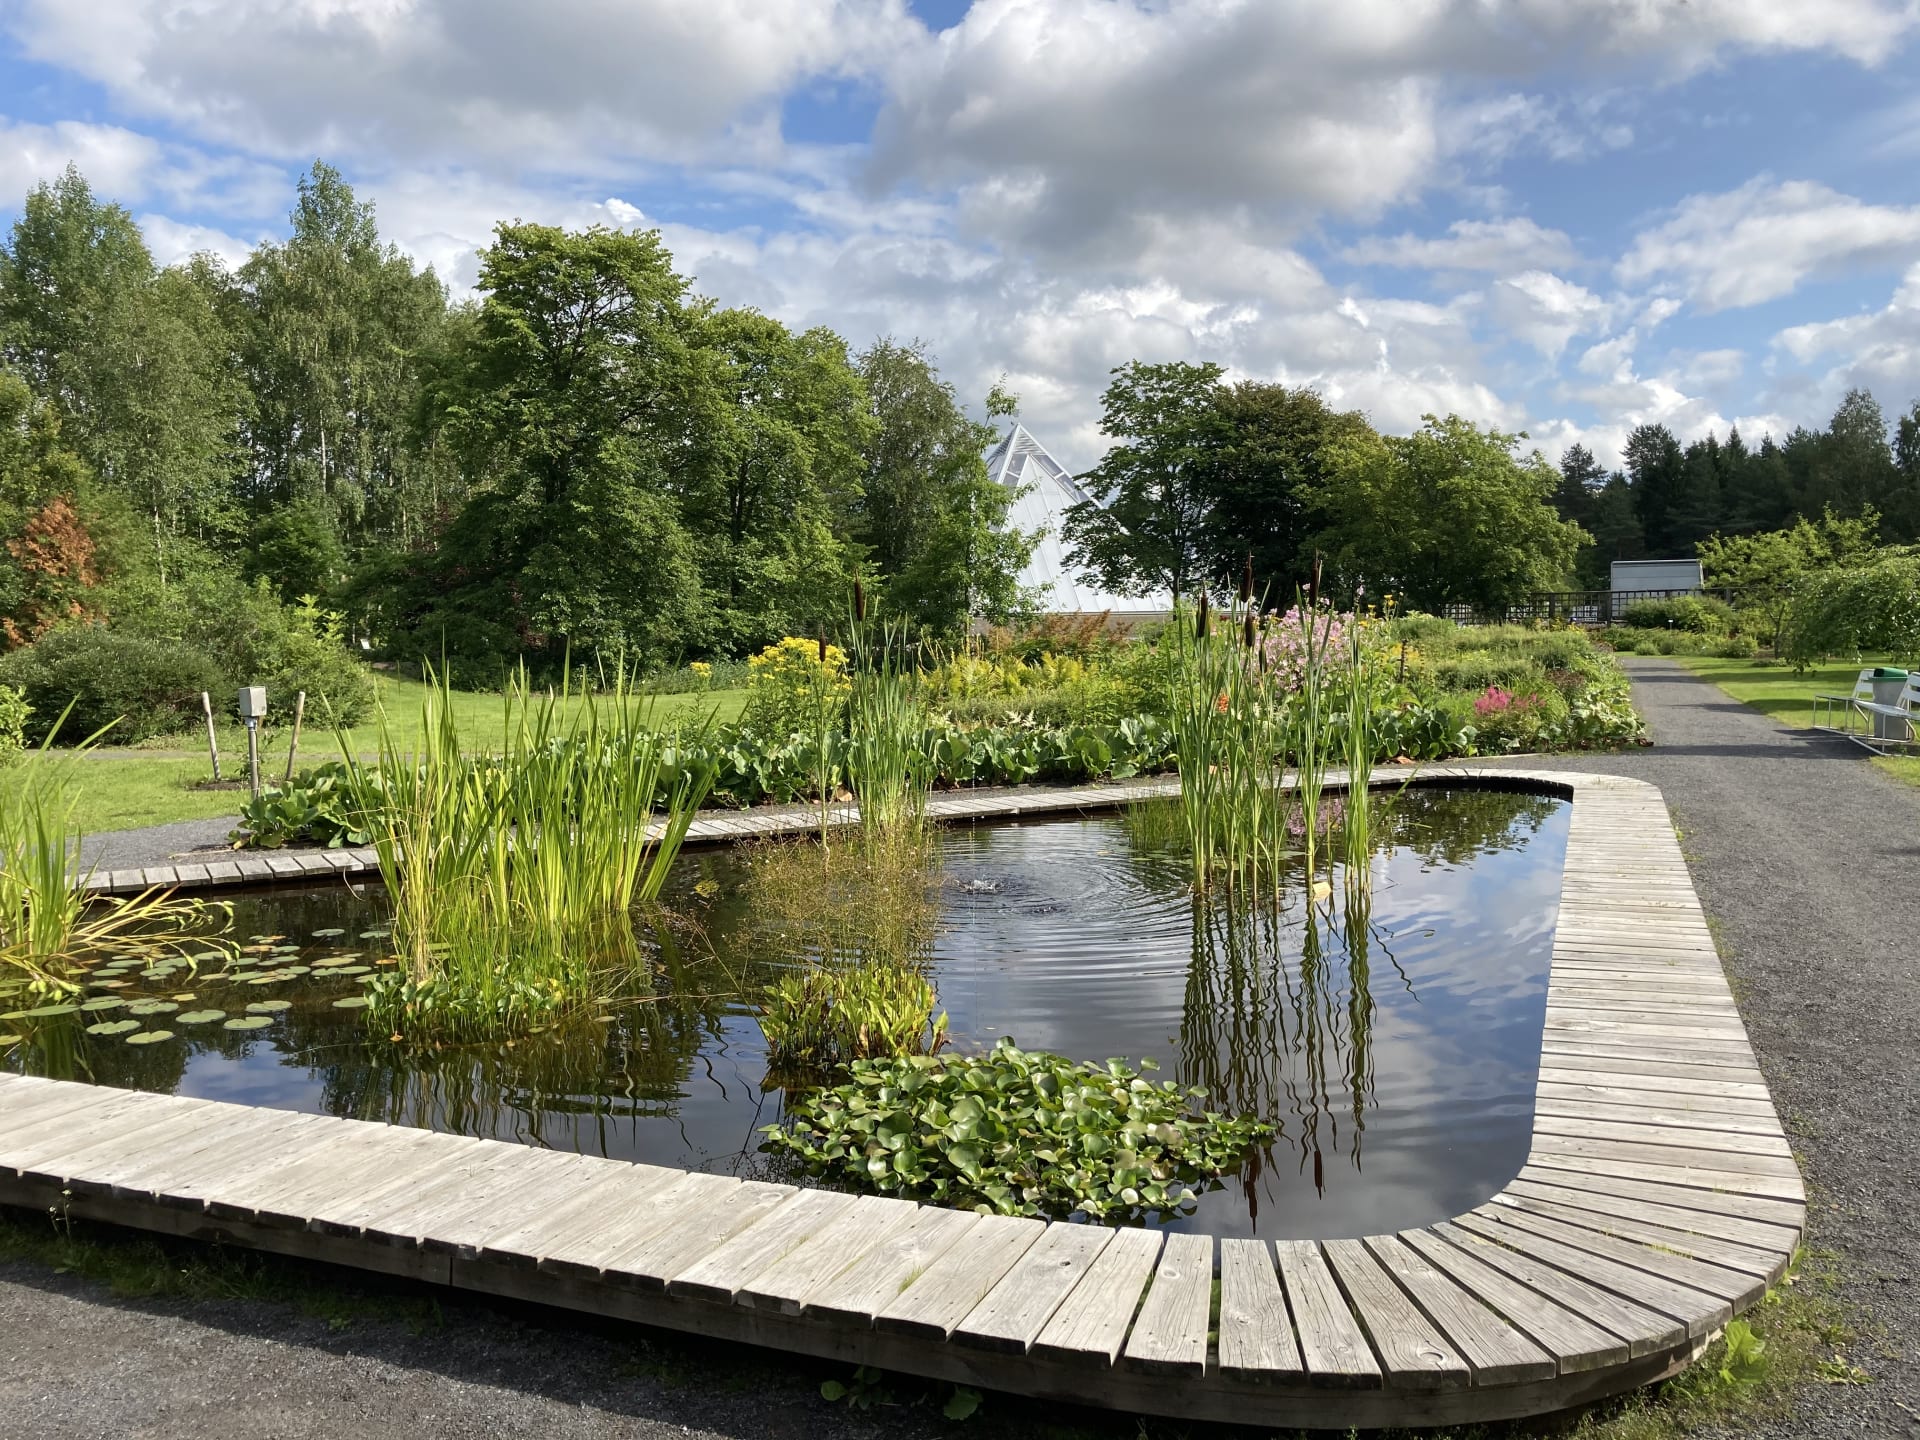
(1045, 489)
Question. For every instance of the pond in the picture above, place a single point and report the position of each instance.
(1394, 1051)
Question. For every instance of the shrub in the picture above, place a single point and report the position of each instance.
(14, 714)
(1871, 609)
(1504, 720)
(150, 687)
(1699, 614)
(795, 686)
(1016, 1133)
(1475, 671)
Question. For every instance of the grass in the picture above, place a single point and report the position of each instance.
(124, 788)
(1775, 689)
(1781, 695)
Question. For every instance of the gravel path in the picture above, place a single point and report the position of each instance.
(1804, 855)
(1808, 862)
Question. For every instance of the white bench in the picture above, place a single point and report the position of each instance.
(1878, 725)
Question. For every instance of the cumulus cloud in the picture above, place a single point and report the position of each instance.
(1757, 243)
(118, 161)
(1878, 350)
(569, 82)
(1545, 310)
(1505, 245)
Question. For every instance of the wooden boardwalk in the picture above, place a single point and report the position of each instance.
(1659, 1199)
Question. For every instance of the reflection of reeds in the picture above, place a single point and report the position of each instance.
(1279, 1015)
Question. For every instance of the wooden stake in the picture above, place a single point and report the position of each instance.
(299, 710)
(213, 744)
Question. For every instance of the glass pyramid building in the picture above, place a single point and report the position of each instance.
(1046, 489)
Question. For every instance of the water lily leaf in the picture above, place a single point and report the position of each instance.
(269, 1007)
(108, 984)
(113, 1027)
(249, 1022)
(149, 1037)
(351, 970)
(152, 1007)
(351, 1002)
(200, 1017)
(187, 999)
(328, 934)
(102, 1002)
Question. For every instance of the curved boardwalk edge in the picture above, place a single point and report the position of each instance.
(1659, 1199)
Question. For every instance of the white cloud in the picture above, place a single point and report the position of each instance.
(1545, 310)
(171, 241)
(1878, 350)
(1757, 243)
(566, 82)
(115, 160)
(1494, 245)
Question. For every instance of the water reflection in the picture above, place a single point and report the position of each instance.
(1390, 1031)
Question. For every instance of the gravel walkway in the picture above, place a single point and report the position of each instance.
(1804, 855)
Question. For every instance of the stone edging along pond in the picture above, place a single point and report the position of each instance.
(1658, 1200)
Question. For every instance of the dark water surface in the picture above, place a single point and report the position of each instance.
(1399, 1068)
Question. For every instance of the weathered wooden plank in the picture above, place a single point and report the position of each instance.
(1748, 1144)
(1731, 1286)
(863, 1290)
(832, 1250)
(1575, 1342)
(1497, 1353)
(650, 1257)
(1170, 1334)
(1413, 1354)
(1707, 1082)
(720, 1274)
(1016, 1310)
(1333, 1346)
(1768, 1264)
(1652, 1110)
(1771, 1174)
(1256, 1335)
(130, 1132)
(527, 1241)
(1787, 1214)
(1695, 1310)
(950, 1288)
(1678, 1100)
(1091, 1324)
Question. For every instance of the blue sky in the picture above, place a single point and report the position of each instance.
(1562, 216)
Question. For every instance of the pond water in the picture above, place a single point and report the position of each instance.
(1395, 1053)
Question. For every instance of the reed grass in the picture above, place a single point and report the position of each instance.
(514, 874)
(889, 742)
(49, 921)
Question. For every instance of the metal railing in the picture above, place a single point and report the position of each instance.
(1571, 607)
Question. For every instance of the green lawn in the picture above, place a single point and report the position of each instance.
(1777, 692)
(123, 788)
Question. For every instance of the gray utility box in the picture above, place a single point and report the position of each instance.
(1887, 685)
(253, 702)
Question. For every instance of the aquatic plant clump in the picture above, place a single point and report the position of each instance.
(831, 1015)
(514, 875)
(1016, 1133)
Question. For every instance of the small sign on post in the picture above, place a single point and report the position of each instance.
(253, 709)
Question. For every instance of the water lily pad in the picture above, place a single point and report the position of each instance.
(269, 1007)
(152, 1007)
(328, 934)
(113, 1027)
(187, 998)
(351, 970)
(327, 962)
(102, 1002)
(210, 955)
(375, 934)
(149, 1037)
(64, 1007)
(249, 1022)
(199, 1017)
(273, 977)
(108, 984)
(293, 970)
(351, 1002)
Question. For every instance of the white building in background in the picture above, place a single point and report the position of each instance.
(1663, 577)
(1045, 489)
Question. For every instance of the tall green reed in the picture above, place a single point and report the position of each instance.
(50, 923)
(889, 745)
(514, 874)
